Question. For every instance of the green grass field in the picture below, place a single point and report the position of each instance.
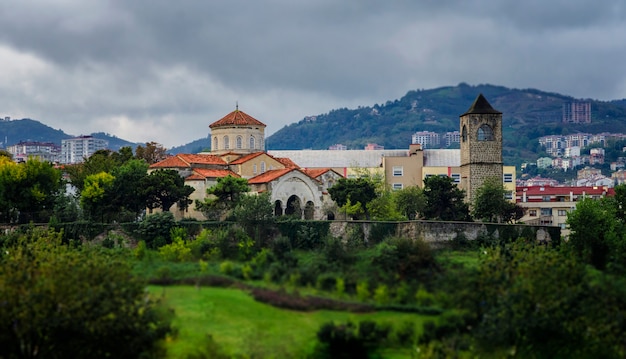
(242, 326)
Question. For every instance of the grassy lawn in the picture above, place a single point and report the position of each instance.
(241, 325)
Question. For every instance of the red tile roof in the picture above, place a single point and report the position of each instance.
(246, 158)
(556, 194)
(186, 160)
(269, 176)
(203, 173)
(170, 162)
(316, 172)
(287, 162)
(237, 118)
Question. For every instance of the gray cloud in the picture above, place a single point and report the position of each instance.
(160, 70)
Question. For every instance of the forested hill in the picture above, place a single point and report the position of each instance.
(15, 131)
(527, 115)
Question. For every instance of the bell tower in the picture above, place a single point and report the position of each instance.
(481, 146)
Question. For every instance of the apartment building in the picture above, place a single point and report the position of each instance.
(426, 138)
(577, 112)
(75, 150)
(546, 205)
(45, 151)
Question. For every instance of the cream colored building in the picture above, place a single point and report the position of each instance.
(547, 205)
(293, 191)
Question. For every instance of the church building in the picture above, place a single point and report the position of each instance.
(238, 149)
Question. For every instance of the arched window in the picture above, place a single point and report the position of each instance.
(485, 133)
(251, 142)
(254, 169)
(262, 167)
(239, 142)
(464, 134)
(226, 144)
(215, 143)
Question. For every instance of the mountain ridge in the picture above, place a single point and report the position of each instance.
(527, 115)
(26, 129)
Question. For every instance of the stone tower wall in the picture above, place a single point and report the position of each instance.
(480, 159)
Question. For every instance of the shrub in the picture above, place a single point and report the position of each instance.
(424, 298)
(381, 294)
(362, 291)
(226, 267)
(155, 229)
(326, 282)
(177, 251)
(340, 287)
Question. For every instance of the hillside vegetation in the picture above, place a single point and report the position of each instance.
(527, 114)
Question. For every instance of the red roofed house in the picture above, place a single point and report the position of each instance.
(238, 150)
(546, 205)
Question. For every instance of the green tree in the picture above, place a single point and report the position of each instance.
(542, 302)
(593, 227)
(491, 205)
(383, 207)
(152, 153)
(127, 193)
(28, 190)
(164, 188)
(255, 213)
(410, 201)
(353, 192)
(64, 302)
(223, 196)
(95, 197)
(444, 200)
(100, 161)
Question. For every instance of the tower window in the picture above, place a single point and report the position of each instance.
(215, 143)
(485, 133)
(464, 134)
(251, 142)
(239, 142)
(226, 144)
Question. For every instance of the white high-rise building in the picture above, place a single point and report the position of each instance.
(75, 150)
(426, 138)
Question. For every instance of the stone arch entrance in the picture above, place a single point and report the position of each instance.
(294, 207)
(309, 210)
(278, 208)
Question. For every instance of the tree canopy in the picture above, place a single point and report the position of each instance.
(223, 197)
(65, 302)
(27, 190)
(490, 204)
(444, 200)
(354, 192)
(164, 188)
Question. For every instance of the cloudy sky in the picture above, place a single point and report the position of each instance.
(162, 70)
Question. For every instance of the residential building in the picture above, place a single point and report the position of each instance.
(373, 147)
(619, 177)
(577, 112)
(451, 137)
(75, 150)
(588, 172)
(45, 151)
(544, 162)
(426, 138)
(338, 147)
(546, 205)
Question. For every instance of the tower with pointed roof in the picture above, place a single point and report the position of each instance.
(237, 133)
(481, 146)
